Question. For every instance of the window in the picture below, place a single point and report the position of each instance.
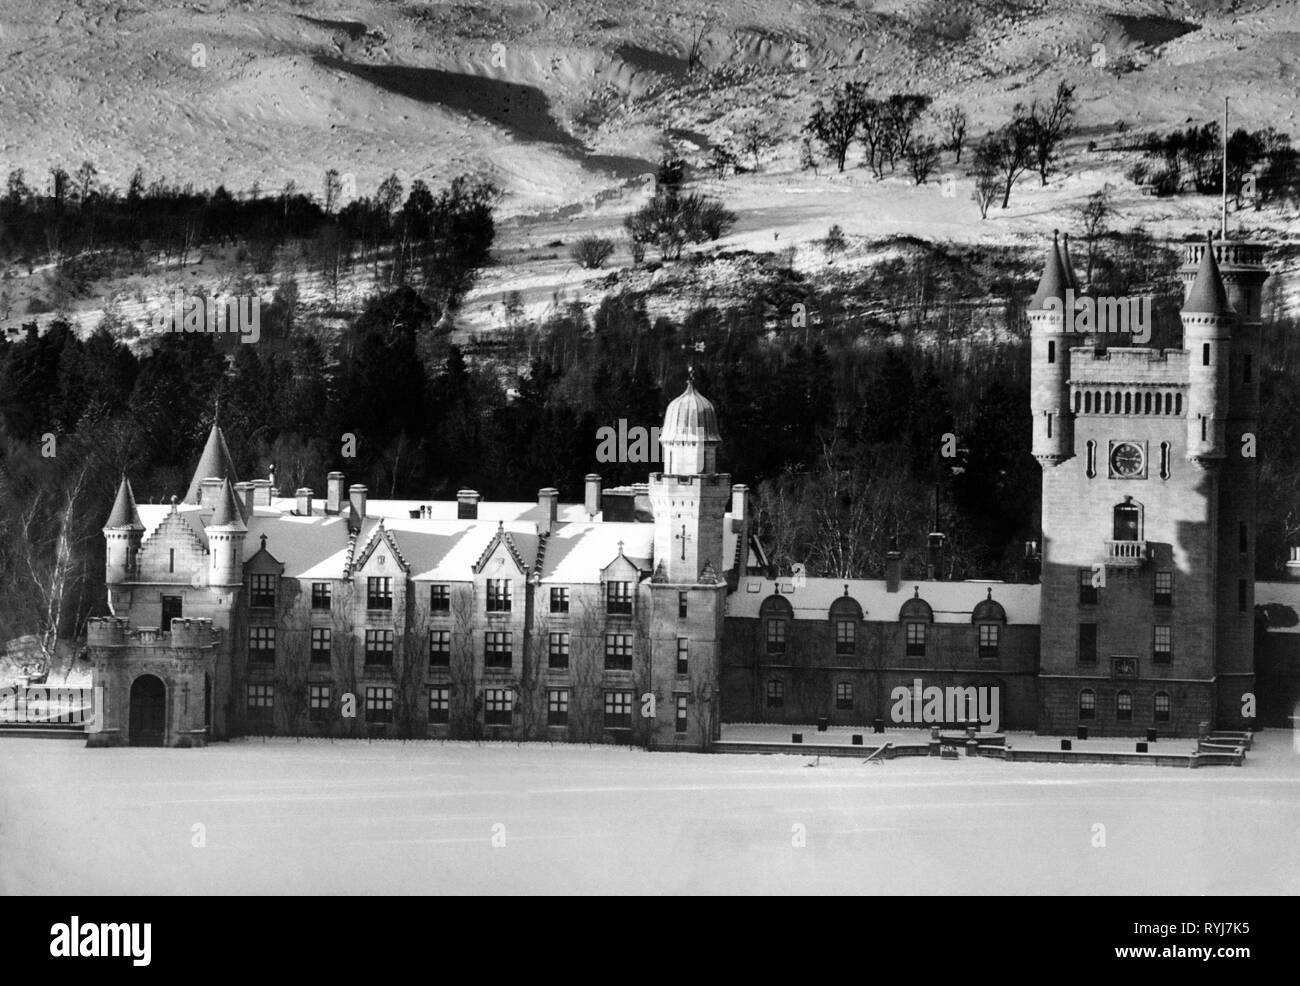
(1087, 704)
(1089, 593)
(261, 702)
(1205, 354)
(440, 599)
(1205, 422)
(1049, 424)
(379, 647)
(1242, 595)
(262, 594)
(1051, 350)
(261, 643)
(439, 648)
(320, 595)
(557, 707)
(560, 599)
(1124, 706)
(618, 597)
(915, 640)
(618, 651)
(1162, 706)
(1091, 463)
(1164, 460)
(681, 720)
(171, 559)
(618, 710)
(1162, 645)
(318, 702)
(1127, 522)
(845, 635)
(681, 605)
(776, 636)
(1245, 368)
(683, 655)
(379, 703)
(988, 640)
(776, 694)
(439, 704)
(498, 707)
(844, 696)
(498, 595)
(1088, 643)
(498, 651)
(558, 652)
(172, 609)
(1243, 539)
(379, 593)
(321, 644)
(1164, 588)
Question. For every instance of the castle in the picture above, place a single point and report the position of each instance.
(649, 614)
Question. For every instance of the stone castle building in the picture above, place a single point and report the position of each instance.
(650, 614)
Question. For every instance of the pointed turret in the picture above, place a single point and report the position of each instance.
(125, 516)
(1053, 282)
(226, 531)
(1208, 295)
(214, 463)
(227, 513)
(1208, 321)
(1051, 334)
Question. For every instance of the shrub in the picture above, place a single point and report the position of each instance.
(591, 251)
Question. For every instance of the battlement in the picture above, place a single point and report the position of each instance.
(114, 631)
(1128, 365)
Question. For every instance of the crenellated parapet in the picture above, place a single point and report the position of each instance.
(185, 633)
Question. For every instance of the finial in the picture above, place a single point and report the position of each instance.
(173, 503)
(916, 592)
(1056, 235)
(846, 588)
(990, 595)
(263, 542)
(620, 547)
(690, 374)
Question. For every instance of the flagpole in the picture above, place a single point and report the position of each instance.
(1223, 213)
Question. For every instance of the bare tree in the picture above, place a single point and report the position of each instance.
(1049, 126)
(1093, 218)
(466, 721)
(953, 122)
(754, 139)
(922, 155)
(836, 125)
(1007, 152)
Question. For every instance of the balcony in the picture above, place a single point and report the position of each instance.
(1126, 554)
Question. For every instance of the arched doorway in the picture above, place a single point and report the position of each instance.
(148, 711)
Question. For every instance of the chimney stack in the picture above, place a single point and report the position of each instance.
(739, 504)
(334, 493)
(934, 567)
(244, 494)
(357, 496)
(209, 491)
(893, 566)
(591, 494)
(549, 500)
(467, 505)
(304, 495)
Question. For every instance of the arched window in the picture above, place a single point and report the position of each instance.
(989, 617)
(1087, 704)
(1128, 521)
(1087, 402)
(1178, 403)
(845, 615)
(1147, 403)
(1162, 706)
(1108, 402)
(775, 615)
(916, 617)
(1128, 403)
(1124, 706)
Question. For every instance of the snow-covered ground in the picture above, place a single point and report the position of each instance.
(351, 817)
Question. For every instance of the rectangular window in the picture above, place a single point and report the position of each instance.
(320, 595)
(1162, 706)
(439, 705)
(439, 648)
(683, 655)
(498, 707)
(681, 605)
(261, 643)
(1089, 593)
(681, 720)
(439, 599)
(1243, 539)
(1124, 706)
(379, 704)
(1088, 643)
(1245, 368)
(1164, 588)
(776, 636)
(1205, 354)
(498, 595)
(498, 648)
(1051, 351)
(844, 696)
(1087, 704)
(1049, 425)
(557, 707)
(915, 640)
(618, 652)
(262, 593)
(171, 559)
(558, 651)
(618, 597)
(1162, 645)
(261, 702)
(379, 647)
(1242, 595)
(776, 694)
(845, 637)
(560, 599)
(379, 593)
(322, 642)
(318, 702)
(618, 710)
(988, 640)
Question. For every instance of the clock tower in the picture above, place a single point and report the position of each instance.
(1148, 508)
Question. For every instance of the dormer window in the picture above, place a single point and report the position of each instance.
(498, 595)
(618, 598)
(262, 592)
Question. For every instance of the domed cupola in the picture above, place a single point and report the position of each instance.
(690, 436)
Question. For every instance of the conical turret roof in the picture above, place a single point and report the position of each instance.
(1208, 296)
(227, 512)
(124, 515)
(1053, 283)
(214, 463)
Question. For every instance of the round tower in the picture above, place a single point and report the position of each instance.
(1050, 337)
(122, 535)
(226, 532)
(1208, 319)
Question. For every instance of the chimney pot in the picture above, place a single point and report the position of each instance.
(467, 505)
(549, 500)
(334, 493)
(357, 497)
(304, 496)
(591, 494)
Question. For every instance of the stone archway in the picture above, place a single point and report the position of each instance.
(148, 711)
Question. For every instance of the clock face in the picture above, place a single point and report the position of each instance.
(1127, 459)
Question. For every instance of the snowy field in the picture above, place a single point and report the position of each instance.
(349, 817)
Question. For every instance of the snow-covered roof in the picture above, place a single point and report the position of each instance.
(952, 602)
(578, 552)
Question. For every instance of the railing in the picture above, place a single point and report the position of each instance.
(1126, 553)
